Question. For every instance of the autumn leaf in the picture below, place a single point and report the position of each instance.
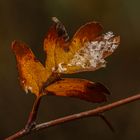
(32, 73)
(79, 88)
(86, 51)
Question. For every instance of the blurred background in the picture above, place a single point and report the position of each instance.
(29, 21)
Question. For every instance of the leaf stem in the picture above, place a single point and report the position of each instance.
(89, 113)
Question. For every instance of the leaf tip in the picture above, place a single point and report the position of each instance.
(102, 88)
(14, 44)
(55, 20)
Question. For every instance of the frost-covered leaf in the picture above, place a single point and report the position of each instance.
(92, 55)
(86, 51)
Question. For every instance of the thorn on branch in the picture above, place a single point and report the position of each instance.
(104, 118)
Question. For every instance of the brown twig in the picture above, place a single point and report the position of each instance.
(33, 114)
(93, 112)
(30, 122)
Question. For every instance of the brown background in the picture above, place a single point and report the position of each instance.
(29, 22)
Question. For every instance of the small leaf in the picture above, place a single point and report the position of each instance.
(32, 73)
(56, 36)
(79, 88)
(49, 48)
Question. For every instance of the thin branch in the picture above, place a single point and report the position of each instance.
(33, 114)
(31, 120)
(90, 113)
(19, 134)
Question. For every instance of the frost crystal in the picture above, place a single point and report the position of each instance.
(53, 69)
(61, 68)
(93, 53)
(27, 88)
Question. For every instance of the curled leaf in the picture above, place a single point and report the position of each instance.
(79, 88)
(32, 73)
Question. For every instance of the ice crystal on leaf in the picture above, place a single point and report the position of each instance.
(92, 54)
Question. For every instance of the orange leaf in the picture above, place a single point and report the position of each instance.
(57, 36)
(88, 32)
(31, 72)
(85, 52)
(78, 88)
